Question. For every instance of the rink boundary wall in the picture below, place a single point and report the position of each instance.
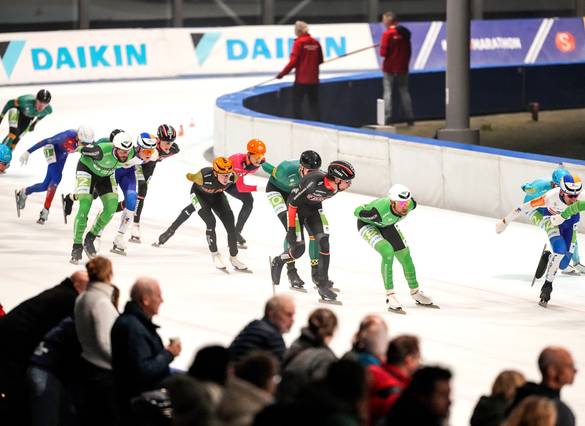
(472, 179)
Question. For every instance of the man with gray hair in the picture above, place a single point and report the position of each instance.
(557, 368)
(140, 361)
(306, 56)
(266, 334)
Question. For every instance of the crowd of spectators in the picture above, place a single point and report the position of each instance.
(72, 358)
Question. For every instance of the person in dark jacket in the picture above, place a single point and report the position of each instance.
(309, 356)
(306, 56)
(492, 410)
(22, 328)
(558, 369)
(426, 401)
(140, 361)
(395, 47)
(266, 334)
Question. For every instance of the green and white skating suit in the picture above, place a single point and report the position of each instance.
(22, 117)
(377, 224)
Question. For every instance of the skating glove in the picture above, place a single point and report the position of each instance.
(24, 158)
(501, 226)
(556, 220)
(291, 236)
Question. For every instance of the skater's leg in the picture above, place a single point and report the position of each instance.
(207, 215)
(247, 204)
(110, 202)
(55, 171)
(224, 212)
(318, 227)
(372, 235)
(85, 201)
(142, 190)
(278, 203)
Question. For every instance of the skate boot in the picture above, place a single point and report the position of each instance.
(88, 245)
(315, 274)
(293, 277)
(570, 270)
(545, 292)
(119, 246)
(392, 304)
(43, 216)
(164, 237)
(421, 298)
(76, 254)
(276, 265)
(20, 196)
(579, 268)
(218, 261)
(238, 264)
(135, 234)
(327, 295)
(241, 241)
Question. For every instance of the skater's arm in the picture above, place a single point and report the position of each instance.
(12, 103)
(292, 63)
(573, 209)
(369, 215)
(196, 178)
(92, 151)
(269, 168)
(53, 140)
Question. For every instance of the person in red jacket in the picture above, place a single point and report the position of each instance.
(396, 49)
(306, 56)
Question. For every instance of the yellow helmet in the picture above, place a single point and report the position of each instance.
(223, 165)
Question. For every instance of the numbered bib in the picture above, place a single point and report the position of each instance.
(50, 156)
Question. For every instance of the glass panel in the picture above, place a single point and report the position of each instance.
(130, 13)
(320, 11)
(37, 15)
(205, 13)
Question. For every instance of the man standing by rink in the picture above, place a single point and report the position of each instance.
(306, 56)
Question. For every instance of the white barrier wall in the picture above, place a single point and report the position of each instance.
(449, 177)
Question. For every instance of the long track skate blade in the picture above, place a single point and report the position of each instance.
(120, 252)
(245, 271)
(16, 199)
(335, 289)
(572, 273)
(224, 270)
(300, 290)
(135, 240)
(75, 262)
(330, 302)
(156, 244)
(397, 311)
(432, 305)
(242, 246)
(63, 206)
(543, 303)
(89, 256)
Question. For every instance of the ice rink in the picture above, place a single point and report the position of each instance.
(489, 318)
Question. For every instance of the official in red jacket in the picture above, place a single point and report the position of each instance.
(395, 48)
(306, 56)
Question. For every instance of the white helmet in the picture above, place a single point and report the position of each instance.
(398, 192)
(85, 134)
(146, 141)
(123, 141)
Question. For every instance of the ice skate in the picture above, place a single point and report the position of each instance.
(579, 268)
(296, 283)
(570, 270)
(76, 254)
(545, 292)
(20, 197)
(218, 262)
(43, 216)
(276, 265)
(88, 245)
(164, 237)
(119, 246)
(67, 204)
(135, 234)
(238, 264)
(241, 241)
(421, 298)
(392, 304)
(327, 294)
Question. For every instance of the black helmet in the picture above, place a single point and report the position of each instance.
(166, 133)
(310, 160)
(44, 96)
(340, 169)
(114, 133)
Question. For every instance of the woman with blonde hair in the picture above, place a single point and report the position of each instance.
(491, 410)
(533, 411)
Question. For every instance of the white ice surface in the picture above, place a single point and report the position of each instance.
(489, 318)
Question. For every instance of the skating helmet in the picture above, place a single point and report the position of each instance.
(146, 141)
(398, 192)
(310, 160)
(166, 133)
(123, 141)
(44, 96)
(5, 154)
(223, 165)
(85, 134)
(114, 133)
(340, 169)
(571, 184)
(558, 174)
(256, 146)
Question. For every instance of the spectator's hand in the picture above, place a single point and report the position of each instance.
(24, 158)
(174, 347)
(279, 75)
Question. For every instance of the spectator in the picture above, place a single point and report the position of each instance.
(533, 411)
(95, 314)
(210, 368)
(491, 410)
(370, 342)
(306, 56)
(388, 382)
(249, 390)
(140, 361)
(266, 333)
(53, 369)
(425, 401)
(309, 356)
(22, 329)
(396, 49)
(557, 368)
